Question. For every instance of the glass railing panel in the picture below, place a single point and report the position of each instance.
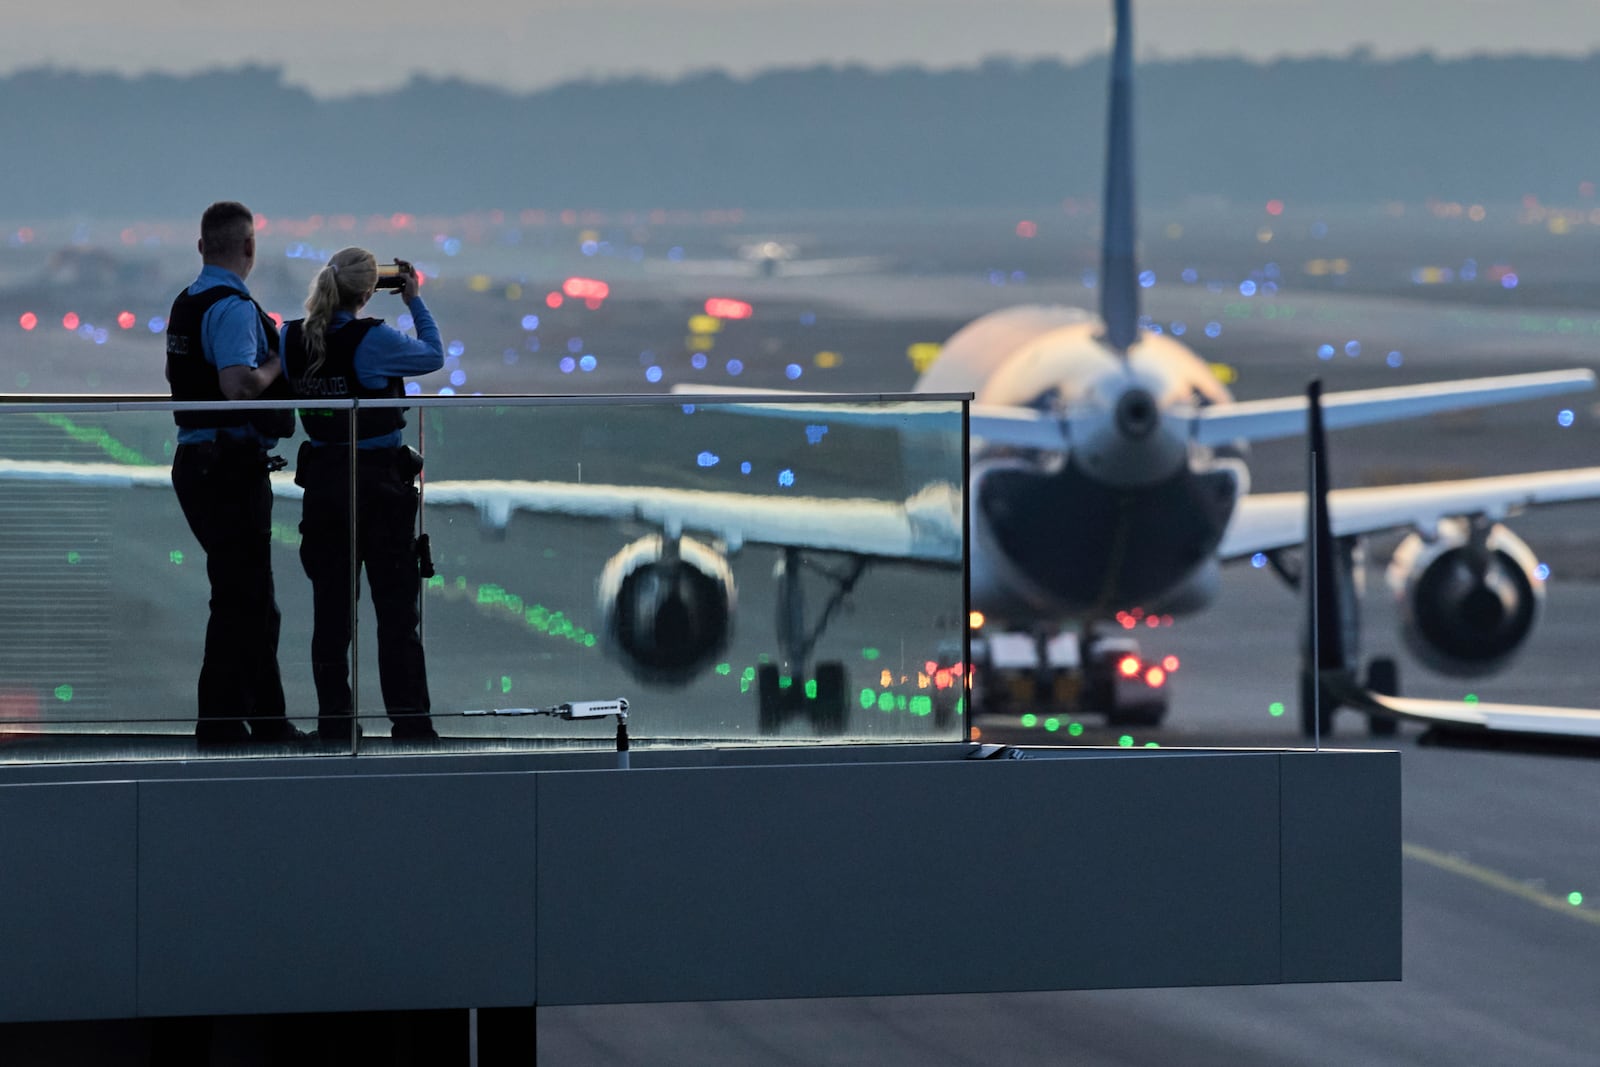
(594, 549)
(815, 551)
(105, 618)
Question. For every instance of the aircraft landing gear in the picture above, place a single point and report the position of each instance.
(828, 710)
(1383, 678)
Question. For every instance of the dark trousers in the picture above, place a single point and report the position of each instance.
(227, 500)
(386, 547)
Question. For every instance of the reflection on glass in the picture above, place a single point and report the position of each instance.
(739, 573)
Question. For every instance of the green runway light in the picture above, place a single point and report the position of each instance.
(724, 669)
(870, 653)
(1030, 720)
(436, 582)
(784, 681)
(505, 683)
(869, 697)
(64, 693)
(922, 706)
(749, 675)
(1125, 741)
(175, 557)
(885, 701)
(1575, 899)
(94, 435)
(1052, 724)
(1470, 698)
(74, 558)
(1275, 709)
(1075, 729)
(811, 689)
(1152, 744)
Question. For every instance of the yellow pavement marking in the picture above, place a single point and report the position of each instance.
(1496, 880)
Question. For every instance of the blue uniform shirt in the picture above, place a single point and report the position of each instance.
(231, 335)
(386, 353)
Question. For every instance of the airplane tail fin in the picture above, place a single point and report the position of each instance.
(1324, 611)
(1119, 274)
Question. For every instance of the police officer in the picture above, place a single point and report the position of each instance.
(333, 354)
(221, 346)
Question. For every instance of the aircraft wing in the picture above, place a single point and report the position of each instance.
(116, 475)
(1490, 718)
(1267, 521)
(1264, 420)
(926, 528)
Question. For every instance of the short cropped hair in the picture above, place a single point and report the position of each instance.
(225, 226)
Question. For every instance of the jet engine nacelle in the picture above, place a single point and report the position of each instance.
(667, 605)
(1468, 598)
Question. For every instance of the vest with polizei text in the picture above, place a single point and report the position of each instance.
(336, 379)
(194, 378)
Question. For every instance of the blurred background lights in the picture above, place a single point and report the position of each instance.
(792, 371)
(1542, 572)
(744, 468)
(652, 373)
(1565, 417)
(587, 363)
(458, 377)
(1324, 351)
(530, 322)
(1213, 329)
(1258, 560)
(1247, 288)
(1394, 359)
(786, 477)
(1147, 278)
(1352, 348)
(567, 364)
(708, 459)
(735, 367)
(413, 389)
(456, 348)
(698, 361)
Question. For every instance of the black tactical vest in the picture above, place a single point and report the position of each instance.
(336, 380)
(193, 378)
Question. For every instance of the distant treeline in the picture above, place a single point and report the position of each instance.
(1330, 131)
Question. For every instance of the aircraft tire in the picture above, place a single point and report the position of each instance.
(831, 711)
(769, 715)
(1308, 712)
(1383, 677)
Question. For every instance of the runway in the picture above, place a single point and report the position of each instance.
(1502, 868)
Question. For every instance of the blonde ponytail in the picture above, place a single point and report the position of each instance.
(346, 282)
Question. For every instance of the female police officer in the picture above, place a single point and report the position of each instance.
(333, 354)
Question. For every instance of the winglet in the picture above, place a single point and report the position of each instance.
(1119, 275)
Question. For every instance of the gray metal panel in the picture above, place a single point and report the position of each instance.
(318, 894)
(67, 861)
(741, 883)
(1341, 866)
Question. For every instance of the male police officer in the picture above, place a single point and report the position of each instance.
(221, 346)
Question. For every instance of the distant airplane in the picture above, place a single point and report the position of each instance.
(774, 256)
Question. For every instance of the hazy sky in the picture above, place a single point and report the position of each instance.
(333, 47)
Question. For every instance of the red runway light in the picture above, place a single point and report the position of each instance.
(1170, 663)
(1274, 207)
(585, 289)
(126, 320)
(70, 320)
(722, 308)
(1128, 665)
(553, 300)
(28, 320)
(1154, 677)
